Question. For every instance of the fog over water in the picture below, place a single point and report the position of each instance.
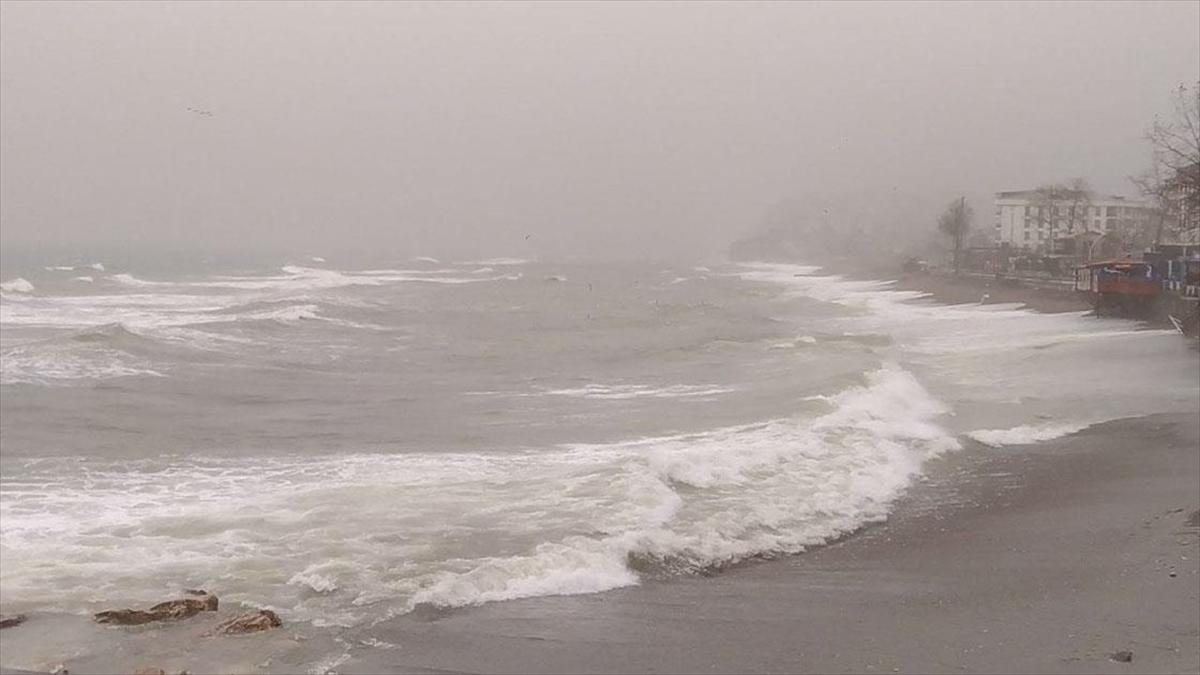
(371, 313)
(550, 130)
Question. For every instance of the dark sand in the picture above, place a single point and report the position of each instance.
(954, 290)
(1044, 558)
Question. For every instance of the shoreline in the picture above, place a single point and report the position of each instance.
(950, 289)
(868, 601)
(1049, 557)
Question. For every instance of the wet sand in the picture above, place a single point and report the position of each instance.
(954, 290)
(1045, 558)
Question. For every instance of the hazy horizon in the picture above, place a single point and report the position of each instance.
(552, 130)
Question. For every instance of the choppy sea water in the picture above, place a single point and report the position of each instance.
(345, 445)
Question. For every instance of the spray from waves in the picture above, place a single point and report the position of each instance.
(18, 285)
(354, 538)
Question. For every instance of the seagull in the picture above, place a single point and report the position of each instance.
(528, 236)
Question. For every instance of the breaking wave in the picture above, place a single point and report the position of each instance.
(99, 353)
(17, 285)
(1025, 434)
(585, 518)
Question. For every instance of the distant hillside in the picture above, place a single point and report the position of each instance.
(878, 230)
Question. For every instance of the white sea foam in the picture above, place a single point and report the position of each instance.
(983, 355)
(99, 267)
(130, 280)
(496, 262)
(628, 391)
(1025, 433)
(84, 278)
(288, 314)
(17, 285)
(59, 268)
(348, 538)
(312, 578)
(353, 538)
(778, 487)
(36, 364)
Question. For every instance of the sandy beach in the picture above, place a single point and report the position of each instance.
(966, 289)
(1048, 558)
(951, 289)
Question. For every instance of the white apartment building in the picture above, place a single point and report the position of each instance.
(1024, 219)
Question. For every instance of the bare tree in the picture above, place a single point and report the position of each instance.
(1046, 200)
(1079, 201)
(955, 222)
(1063, 204)
(1173, 181)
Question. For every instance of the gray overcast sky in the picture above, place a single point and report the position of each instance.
(613, 130)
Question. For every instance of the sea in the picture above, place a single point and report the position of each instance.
(344, 444)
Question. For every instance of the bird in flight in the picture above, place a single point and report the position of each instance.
(202, 113)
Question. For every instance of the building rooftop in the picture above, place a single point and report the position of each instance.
(1066, 194)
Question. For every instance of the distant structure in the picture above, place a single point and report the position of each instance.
(1183, 204)
(1027, 219)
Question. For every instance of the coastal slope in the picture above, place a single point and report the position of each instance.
(1048, 558)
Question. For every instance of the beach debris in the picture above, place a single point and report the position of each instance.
(150, 670)
(252, 622)
(10, 621)
(60, 669)
(1124, 656)
(173, 610)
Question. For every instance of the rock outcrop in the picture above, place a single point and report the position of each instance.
(10, 621)
(263, 619)
(171, 610)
